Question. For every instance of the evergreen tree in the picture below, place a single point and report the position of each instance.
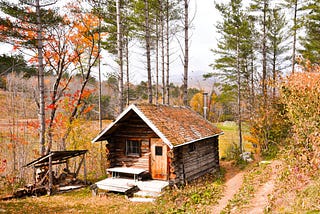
(233, 51)
(261, 7)
(311, 41)
(294, 6)
(277, 36)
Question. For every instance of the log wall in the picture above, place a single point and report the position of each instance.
(189, 165)
(133, 128)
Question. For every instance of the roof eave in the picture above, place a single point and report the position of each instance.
(96, 139)
(189, 142)
(143, 117)
(152, 126)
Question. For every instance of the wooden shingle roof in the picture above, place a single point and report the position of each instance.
(174, 125)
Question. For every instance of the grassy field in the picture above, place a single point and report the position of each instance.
(193, 198)
(230, 139)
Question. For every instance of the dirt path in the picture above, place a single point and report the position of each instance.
(260, 202)
(234, 179)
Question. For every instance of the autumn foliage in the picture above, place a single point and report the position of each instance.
(301, 94)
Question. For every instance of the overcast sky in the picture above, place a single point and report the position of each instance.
(202, 39)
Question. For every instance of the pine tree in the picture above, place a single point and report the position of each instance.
(262, 7)
(311, 41)
(233, 51)
(277, 36)
(293, 5)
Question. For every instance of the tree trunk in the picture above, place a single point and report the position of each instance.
(127, 70)
(294, 35)
(148, 50)
(162, 53)
(157, 58)
(99, 69)
(168, 55)
(186, 52)
(264, 54)
(42, 119)
(274, 73)
(239, 99)
(120, 57)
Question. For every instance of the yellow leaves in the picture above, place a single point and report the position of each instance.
(196, 102)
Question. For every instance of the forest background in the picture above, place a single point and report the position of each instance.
(265, 74)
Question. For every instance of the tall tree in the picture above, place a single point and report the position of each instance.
(148, 48)
(262, 8)
(233, 52)
(120, 55)
(186, 52)
(277, 37)
(21, 33)
(311, 41)
(293, 5)
(121, 21)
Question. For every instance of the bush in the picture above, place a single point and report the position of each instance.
(301, 94)
(269, 128)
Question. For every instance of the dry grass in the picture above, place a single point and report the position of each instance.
(80, 201)
(230, 138)
(194, 198)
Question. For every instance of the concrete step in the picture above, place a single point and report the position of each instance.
(152, 186)
(146, 194)
(135, 199)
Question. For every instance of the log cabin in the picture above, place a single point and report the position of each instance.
(171, 143)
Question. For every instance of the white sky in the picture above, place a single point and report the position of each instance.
(202, 39)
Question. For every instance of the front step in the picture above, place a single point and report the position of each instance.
(146, 200)
(152, 186)
(146, 194)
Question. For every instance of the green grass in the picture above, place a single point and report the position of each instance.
(230, 138)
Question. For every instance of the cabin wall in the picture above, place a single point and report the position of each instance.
(118, 158)
(133, 129)
(188, 165)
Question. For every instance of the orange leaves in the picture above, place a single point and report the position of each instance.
(301, 95)
(86, 93)
(3, 165)
(88, 109)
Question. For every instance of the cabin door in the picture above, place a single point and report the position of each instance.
(159, 167)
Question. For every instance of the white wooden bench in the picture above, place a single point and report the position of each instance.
(116, 171)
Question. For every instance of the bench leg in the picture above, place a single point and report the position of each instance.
(94, 189)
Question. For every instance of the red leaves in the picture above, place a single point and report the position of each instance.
(3, 165)
(51, 106)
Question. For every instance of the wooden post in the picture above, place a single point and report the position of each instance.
(50, 175)
(34, 175)
(84, 168)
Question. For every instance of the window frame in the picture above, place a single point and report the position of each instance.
(158, 150)
(192, 147)
(131, 149)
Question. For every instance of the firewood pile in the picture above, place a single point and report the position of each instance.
(40, 187)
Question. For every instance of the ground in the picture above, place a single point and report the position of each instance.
(234, 179)
(252, 190)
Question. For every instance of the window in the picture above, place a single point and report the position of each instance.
(133, 147)
(192, 147)
(158, 150)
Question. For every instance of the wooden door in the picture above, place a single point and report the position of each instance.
(159, 166)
